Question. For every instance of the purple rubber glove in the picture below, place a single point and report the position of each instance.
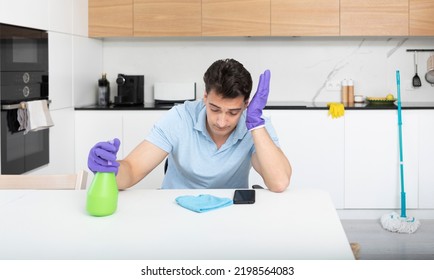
(102, 157)
(254, 118)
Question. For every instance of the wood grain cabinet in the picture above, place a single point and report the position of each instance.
(236, 18)
(304, 18)
(110, 18)
(167, 18)
(421, 18)
(374, 17)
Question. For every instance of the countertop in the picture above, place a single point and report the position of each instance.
(150, 225)
(276, 105)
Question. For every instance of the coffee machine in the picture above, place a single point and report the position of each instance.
(130, 90)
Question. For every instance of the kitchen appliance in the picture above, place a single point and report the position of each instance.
(23, 77)
(170, 93)
(130, 90)
(429, 76)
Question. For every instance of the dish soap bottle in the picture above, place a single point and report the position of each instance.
(103, 91)
(102, 196)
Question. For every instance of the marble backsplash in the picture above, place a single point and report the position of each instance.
(301, 67)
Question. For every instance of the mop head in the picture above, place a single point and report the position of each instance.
(395, 223)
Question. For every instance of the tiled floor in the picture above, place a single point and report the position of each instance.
(377, 243)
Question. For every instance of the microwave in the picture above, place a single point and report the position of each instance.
(23, 49)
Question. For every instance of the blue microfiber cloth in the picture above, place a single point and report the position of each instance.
(203, 203)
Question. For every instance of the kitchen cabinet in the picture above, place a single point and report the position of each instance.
(421, 18)
(110, 18)
(314, 145)
(27, 13)
(426, 159)
(304, 18)
(236, 18)
(130, 127)
(372, 159)
(61, 14)
(136, 126)
(167, 18)
(60, 68)
(374, 17)
(92, 127)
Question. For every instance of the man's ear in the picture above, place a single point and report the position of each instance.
(246, 103)
(205, 96)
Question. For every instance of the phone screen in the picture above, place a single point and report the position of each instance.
(244, 197)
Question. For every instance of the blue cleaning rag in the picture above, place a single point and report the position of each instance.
(203, 203)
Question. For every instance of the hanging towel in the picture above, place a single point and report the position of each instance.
(23, 120)
(203, 203)
(38, 116)
(12, 120)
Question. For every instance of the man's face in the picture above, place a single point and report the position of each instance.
(223, 113)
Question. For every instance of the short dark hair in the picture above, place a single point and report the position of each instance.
(229, 79)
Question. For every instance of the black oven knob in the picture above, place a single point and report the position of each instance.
(26, 78)
(26, 91)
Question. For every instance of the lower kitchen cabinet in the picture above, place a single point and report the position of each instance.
(92, 127)
(314, 144)
(354, 158)
(426, 159)
(130, 127)
(372, 159)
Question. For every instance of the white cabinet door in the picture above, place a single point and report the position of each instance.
(28, 13)
(60, 70)
(372, 159)
(313, 143)
(60, 16)
(426, 159)
(137, 125)
(92, 127)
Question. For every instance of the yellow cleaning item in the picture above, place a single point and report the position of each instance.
(336, 110)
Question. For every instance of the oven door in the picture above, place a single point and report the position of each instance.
(22, 152)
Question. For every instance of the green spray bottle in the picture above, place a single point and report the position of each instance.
(102, 196)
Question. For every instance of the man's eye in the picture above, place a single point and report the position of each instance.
(214, 109)
(233, 113)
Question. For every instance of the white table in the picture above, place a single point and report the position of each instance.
(296, 224)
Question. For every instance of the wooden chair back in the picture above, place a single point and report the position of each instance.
(45, 182)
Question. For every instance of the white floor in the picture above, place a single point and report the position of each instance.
(377, 243)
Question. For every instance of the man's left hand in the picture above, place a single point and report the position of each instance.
(254, 118)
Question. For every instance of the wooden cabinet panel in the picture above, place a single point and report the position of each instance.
(167, 17)
(421, 17)
(304, 18)
(110, 18)
(236, 18)
(374, 17)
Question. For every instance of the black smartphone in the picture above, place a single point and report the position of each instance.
(244, 197)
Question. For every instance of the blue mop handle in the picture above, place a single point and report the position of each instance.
(401, 160)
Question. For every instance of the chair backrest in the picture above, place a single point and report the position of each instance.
(45, 182)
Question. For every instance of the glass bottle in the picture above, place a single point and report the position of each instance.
(103, 91)
(102, 196)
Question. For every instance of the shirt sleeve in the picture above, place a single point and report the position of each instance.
(165, 133)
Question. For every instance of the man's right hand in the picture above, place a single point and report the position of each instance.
(102, 157)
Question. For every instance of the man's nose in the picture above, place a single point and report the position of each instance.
(221, 120)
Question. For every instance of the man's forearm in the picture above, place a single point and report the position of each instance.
(270, 161)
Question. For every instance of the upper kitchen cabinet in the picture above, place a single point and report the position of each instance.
(236, 18)
(421, 18)
(304, 18)
(374, 17)
(167, 17)
(27, 13)
(110, 18)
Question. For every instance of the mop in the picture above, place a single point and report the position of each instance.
(393, 221)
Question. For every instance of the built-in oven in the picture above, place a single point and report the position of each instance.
(23, 78)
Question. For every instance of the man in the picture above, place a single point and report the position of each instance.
(210, 143)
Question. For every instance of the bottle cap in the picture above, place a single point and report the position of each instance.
(350, 82)
(344, 82)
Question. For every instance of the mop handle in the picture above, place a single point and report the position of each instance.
(401, 160)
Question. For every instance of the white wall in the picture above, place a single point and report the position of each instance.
(300, 66)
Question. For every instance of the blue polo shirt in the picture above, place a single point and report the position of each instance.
(194, 160)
